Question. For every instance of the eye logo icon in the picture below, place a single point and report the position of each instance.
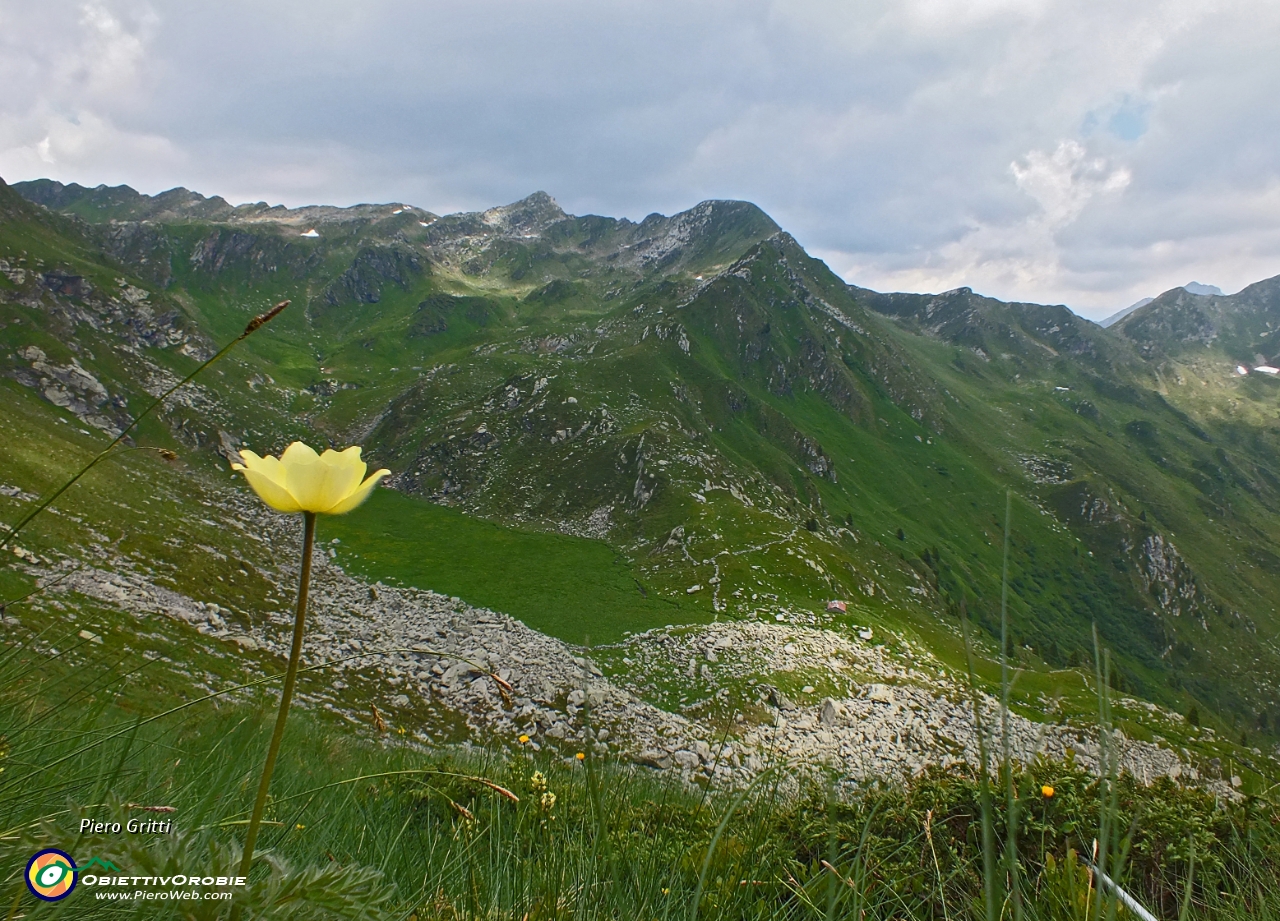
(51, 875)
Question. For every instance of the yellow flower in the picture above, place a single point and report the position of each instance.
(548, 802)
(523, 739)
(538, 782)
(300, 480)
(581, 756)
(1046, 791)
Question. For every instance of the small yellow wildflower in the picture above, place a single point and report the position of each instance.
(581, 756)
(524, 739)
(547, 801)
(301, 480)
(299, 827)
(1046, 791)
(538, 782)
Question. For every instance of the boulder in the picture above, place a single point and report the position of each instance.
(653, 758)
(686, 759)
(830, 712)
(777, 699)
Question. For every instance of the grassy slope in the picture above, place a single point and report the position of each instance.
(570, 587)
(1152, 482)
(177, 521)
(940, 484)
(455, 835)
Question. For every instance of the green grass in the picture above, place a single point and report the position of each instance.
(361, 827)
(1066, 572)
(570, 587)
(364, 826)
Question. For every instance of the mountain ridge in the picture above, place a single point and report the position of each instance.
(682, 385)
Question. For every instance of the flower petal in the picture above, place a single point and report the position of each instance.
(298, 453)
(360, 494)
(250, 460)
(305, 480)
(346, 456)
(344, 471)
(267, 466)
(321, 483)
(301, 480)
(270, 491)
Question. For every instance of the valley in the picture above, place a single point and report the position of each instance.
(653, 452)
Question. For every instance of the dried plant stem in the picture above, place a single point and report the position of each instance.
(1011, 794)
(286, 696)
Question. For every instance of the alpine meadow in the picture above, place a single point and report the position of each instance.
(704, 584)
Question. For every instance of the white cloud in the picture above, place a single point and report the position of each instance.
(81, 143)
(1021, 255)
(77, 75)
(1144, 137)
(1063, 182)
(107, 63)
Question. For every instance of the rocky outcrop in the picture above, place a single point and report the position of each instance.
(1168, 579)
(880, 715)
(372, 270)
(71, 387)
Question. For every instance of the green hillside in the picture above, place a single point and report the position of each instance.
(623, 425)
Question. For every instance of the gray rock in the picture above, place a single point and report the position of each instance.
(228, 446)
(460, 670)
(686, 759)
(881, 693)
(888, 729)
(829, 712)
(777, 699)
(653, 758)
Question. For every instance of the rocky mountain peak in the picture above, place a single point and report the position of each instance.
(1194, 287)
(530, 215)
(1241, 323)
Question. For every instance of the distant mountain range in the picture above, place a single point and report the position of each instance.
(1192, 287)
(749, 432)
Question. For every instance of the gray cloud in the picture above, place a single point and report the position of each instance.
(1083, 152)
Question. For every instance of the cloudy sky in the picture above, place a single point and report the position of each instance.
(1067, 151)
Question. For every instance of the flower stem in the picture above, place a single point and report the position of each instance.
(286, 697)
